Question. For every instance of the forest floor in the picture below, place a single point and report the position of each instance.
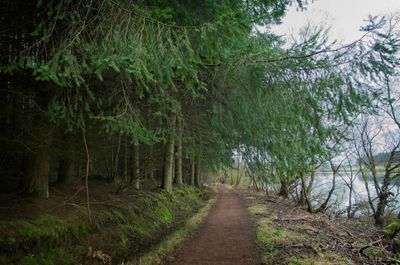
(125, 226)
(288, 234)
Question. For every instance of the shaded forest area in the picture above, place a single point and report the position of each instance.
(123, 99)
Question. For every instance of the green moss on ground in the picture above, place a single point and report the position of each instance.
(120, 229)
(258, 209)
(326, 258)
(287, 243)
(268, 235)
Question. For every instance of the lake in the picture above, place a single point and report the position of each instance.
(323, 183)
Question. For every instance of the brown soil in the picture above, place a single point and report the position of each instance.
(225, 238)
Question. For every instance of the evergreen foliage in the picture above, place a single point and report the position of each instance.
(128, 70)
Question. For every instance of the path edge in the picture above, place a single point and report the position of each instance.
(157, 254)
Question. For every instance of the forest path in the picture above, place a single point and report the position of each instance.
(225, 238)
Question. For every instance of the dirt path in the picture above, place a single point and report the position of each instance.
(225, 237)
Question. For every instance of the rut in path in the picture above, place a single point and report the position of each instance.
(225, 237)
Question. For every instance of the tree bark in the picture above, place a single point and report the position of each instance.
(306, 192)
(126, 159)
(150, 161)
(350, 213)
(324, 205)
(169, 158)
(135, 165)
(193, 172)
(380, 209)
(197, 177)
(87, 176)
(238, 174)
(66, 169)
(35, 180)
(284, 190)
(179, 175)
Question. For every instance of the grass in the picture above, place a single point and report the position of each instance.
(328, 258)
(158, 253)
(267, 256)
(268, 235)
(258, 209)
(121, 229)
(287, 243)
(49, 257)
(163, 215)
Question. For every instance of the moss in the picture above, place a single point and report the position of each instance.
(328, 258)
(163, 215)
(300, 226)
(336, 258)
(46, 230)
(159, 252)
(141, 230)
(124, 242)
(149, 201)
(375, 252)
(393, 228)
(49, 257)
(258, 209)
(268, 235)
(268, 256)
(119, 216)
(115, 230)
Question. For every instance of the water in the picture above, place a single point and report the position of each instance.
(340, 197)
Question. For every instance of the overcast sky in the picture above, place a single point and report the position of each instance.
(344, 16)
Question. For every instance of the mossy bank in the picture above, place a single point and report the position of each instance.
(124, 228)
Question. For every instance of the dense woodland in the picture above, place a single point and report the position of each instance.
(156, 94)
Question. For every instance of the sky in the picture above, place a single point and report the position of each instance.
(344, 16)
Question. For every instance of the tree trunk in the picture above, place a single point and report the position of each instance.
(302, 199)
(380, 210)
(174, 166)
(350, 212)
(135, 165)
(150, 161)
(284, 190)
(324, 205)
(179, 175)
(193, 172)
(197, 177)
(66, 169)
(383, 196)
(306, 192)
(231, 175)
(169, 158)
(35, 181)
(238, 174)
(126, 160)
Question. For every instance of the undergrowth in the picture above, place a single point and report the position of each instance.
(287, 244)
(124, 225)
